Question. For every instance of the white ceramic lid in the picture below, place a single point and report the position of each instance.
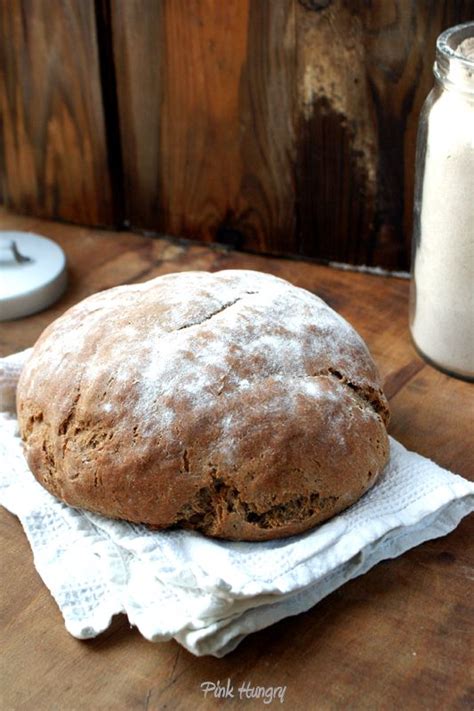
(32, 274)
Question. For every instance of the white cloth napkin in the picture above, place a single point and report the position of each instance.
(210, 594)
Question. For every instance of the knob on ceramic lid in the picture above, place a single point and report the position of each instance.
(32, 274)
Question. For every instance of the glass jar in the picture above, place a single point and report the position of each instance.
(442, 284)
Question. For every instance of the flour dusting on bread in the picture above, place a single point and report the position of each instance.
(205, 401)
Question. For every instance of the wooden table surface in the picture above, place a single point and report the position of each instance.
(399, 636)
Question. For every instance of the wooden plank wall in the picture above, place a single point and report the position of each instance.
(54, 159)
(206, 112)
(364, 71)
(283, 127)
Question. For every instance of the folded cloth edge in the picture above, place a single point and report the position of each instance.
(221, 636)
(219, 642)
(224, 634)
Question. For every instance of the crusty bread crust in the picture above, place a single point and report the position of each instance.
(231, 403)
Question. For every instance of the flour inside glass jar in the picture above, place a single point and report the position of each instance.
(443, 314)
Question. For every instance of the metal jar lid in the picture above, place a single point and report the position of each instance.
(32, 274)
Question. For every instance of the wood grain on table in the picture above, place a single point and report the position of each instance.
(399, 636)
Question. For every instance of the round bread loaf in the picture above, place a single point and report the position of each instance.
(231, 403)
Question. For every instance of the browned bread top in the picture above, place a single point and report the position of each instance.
(233, 403)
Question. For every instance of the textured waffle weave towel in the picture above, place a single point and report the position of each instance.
(210, 594)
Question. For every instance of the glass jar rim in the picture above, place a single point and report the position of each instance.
(448, 57)
(454, 36)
